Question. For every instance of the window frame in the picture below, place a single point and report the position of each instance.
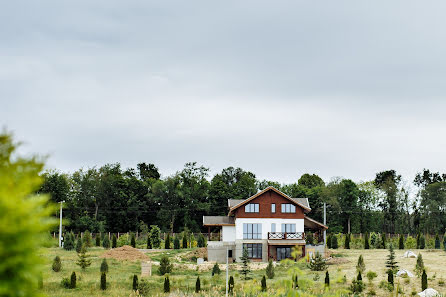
(288, 208)
(254, 250)
(273, 208)
(252, 231)
(252, 208)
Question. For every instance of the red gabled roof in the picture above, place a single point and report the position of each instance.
(307, 209)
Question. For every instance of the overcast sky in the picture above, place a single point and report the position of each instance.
(280, 88)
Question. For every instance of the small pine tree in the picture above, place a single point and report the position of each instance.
(165, 266)
(359, 276)
(391, 263)
(263, 282)
(78, 244)
(83, 260)
(422, 242)
(176, 243)
(167, 241)
(104, 266)
(149, 243)
(245, 266)
(197, 285)
(87, 239)
(390, 277)
(317, 263)
(106, 242)
(334, 242)
(133, 240)
(401, 242)
(437, 241)
(231, 284)
(347, 241)
(166, 285)
(327, 279)
(329, 237)
(98, 240)
(216, 269)
(114, 241)
(68, 243)
(366, 241)
(135, 283)
(154, 234)
(295, 282)
(201, 241)
(57, 264)
(270, 269)
(424, 281)
(360, 267)
(73, 280)
(419, 267)
(383, 240)
(103, 281)
(184, 241)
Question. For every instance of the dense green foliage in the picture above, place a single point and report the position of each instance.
(86, 239)
(106, 242)
(57, 264)
(104, 266)
(245, 270)
(154, 235)
(317, 262)
(419, 266)
(24, 221)
(347, 241)
(391, 262)
(167, 241)
(424, 280)
(68, 243)
(197, 285)
(133, 240)
(216, 269)
(83, 258)
(98, 240)
(135, 282)
(114, 241)
(366, 241)
(73, 280)
(176, 243)
(401, 242)
(270, 269)
(103, 281)
(165, 265)
(263, 284)
(166, 285)
(327, 279)
(360, 267)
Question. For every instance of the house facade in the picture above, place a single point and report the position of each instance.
(267, 224)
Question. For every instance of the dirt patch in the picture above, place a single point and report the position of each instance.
(125, 252)
(337, 261)
(195, 254)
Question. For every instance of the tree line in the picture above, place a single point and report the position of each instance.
(113, 199)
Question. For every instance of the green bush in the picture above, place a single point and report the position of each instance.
(231, 284)
(184, 241)
(327, 279)
(68, 243)
(57, 264)
(83, 259)
(135, 283)
(401, 242)
(104, 266)
(317, 263)
(123, 240)
(176, 243)
(98, 240)
(73, 280)
(371, 275)
(106, 242)
(216, 269)
(201, 241)
(424, 281)
(419, 266)
(263, 282)
(366, 241)
(334, 242)
(65, 283)
(360, 266)
(114, 242)
(390, 277)
(197, 285)
(149, 243)
(87, 239)
(103, 281)
(347, 241)
(132, 240)
(167, 241)
(270, 269)
(437, 242)
(410, 243)
(165, 266)
(166, 285)
(155, 236)
(78, 244)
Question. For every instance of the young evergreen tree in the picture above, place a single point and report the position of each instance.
(133, 240)
(98, 240)
(149, 243)
(424, 280)
(270, 269)
(245, 264)
(135, 283)
(366, 241)
(360, 267)
(165, 266)
(390, 277)
(317, 263)
(176, 243)
(154, 234)
(347, 241)
(103, 281)
(231, 284)
(437, 241)
(334, 241)
(329, 238)
(184, 241)
(78, 244)
(166, 285)
(167, 241)
(401, 242)
(216, 269)
(106, 242)
(104, 266)
(263, 282)
(87, 239)
(68, 243)
(391, 263)
(383, 240)
(73, 280)
(422, 242)
(197, 285)
(359, 276)
(419, 267)
(114, 241)
(327, 279)
(418, 240)
(201, 241)
(83, 259)
(57, 264)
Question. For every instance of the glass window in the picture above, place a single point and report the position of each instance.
(289, 228)
(252, 231)
(254, 250)
(252, 207)
(273, 208)
(273, 227)
(288, 208)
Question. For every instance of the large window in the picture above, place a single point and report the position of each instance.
(288, 208)
(289, 228)
(252, 231)
(273, 208)
(254, 250)
(252, 207)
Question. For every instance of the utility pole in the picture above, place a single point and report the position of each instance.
(60, 225)
(325, 223)
(227, 271)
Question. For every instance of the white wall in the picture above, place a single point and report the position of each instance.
(228, 233)
(266, 225)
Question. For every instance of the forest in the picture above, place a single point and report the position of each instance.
(113, 199)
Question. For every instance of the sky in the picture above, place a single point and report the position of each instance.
(279, 88)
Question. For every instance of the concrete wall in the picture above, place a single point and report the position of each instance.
(228, 233)
(217, 251)
(266, 225)
(312, 249)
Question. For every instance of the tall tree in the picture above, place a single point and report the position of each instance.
(348, 197)
(388, 182)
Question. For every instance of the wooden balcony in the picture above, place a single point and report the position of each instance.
(286, 235)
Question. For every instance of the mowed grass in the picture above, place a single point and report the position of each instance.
(182, 278)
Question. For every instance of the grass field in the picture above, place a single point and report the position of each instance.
(184, 274)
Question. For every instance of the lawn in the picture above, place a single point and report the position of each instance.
(184, 274)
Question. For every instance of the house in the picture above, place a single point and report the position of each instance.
(267, 224)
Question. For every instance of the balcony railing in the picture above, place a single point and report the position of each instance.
(286, 235)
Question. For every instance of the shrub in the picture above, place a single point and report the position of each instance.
(371, 275)
(106, 242)
(401, 242)
(78, 244)
(437, 241)
(422, 242)
(103, 281)
(83, 260)
(329, 238)
(201, 241)
(68, 243)
(114, 241)
(149, 243)
(383, 240)
(231, 284)
(104, 266)
(347, 241)
(166, 285)
(366, 241)
(359, 276)
(197, 285)
(419, 267)
(309, 238)
(391, 263)
(73, 280)
(424, 281)
(334, 241)
(374, 240)
(65, 283)
(184, 241)
(390, 277)
(327, 279)
(317, 263)
(98, 240)
(123, 240)
(135, 283)
(167, 241)
(360, 267)
(176, 243)
(57, 264)
(357, 286)
(270, 269)
(245, 266)
(87, 239)
(216, 269)
(295, 282)
(165, 266)
(263, 284)
(133, 240)
(154, 235)
(144, 288)
(410, 242)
